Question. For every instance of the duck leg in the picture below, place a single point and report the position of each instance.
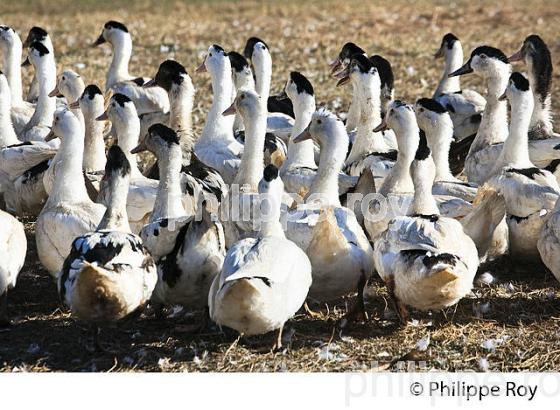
(400, 308)
(4, 319)
(95, 346)
(310, 312)
(357, 313)
(277, 347)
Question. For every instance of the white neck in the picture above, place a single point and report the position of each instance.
(541, 118)
(399, 180)
(424, 202)
(7, 134)
(353, 115)
(515, 152)
(270, 223)
(12, 70)
(301, 154)
(440, 136)
(122, 50)
(181, 104)
(168, 202)
(115, 217)
(94, 145)
(46, 106)
(242, 81)
(263, 76)
(453, 61)
(218, 126)
(251, 167)
(127, 135)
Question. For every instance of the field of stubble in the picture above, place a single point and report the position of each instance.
(511, 325)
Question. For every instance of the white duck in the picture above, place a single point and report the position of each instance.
(465, 106)
(108, 275)
(189, 248)
(68, 212)
(13, 248)
(435, 121)
(530, 193)
(217, 148)
(119, 81)
(122, 113)
(11, 48)
(40, 35)
(427, 261)
(548, 243)
(265, 280)
(329, 233)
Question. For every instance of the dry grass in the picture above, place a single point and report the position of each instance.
(514, 323)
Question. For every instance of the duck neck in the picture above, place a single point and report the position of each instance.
(424, 202)
(115, 217)
(122, 51)
(516, 147)
(69, 184)
(301, 154)
(263, 77)
(46, 106)
(181, 105)
(12, 70)
(242, 81)
(270, 217)
(439, 139)
(540, 79)
(399, 180)
(252, 159)
(7, 134)
(453, 61)
(94, 145)
(353, 115)
(168, 202)
(218, 126)
(127, 136)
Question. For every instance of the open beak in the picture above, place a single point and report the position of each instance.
(503, 97)
(55, 92)
(231, 110)
(466, 69)
(343, 81)
(202, 67)
(150, 84)
(335, 65)
(100, 40)
(103, 117)
(75, 105)
(381, 127)
(516, 57)
(27, 42)
(50, 136)
(26, 62)
(282, 96)
(439, 53)
(139, 148)
(305, 135)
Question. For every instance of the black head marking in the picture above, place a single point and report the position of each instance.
(348, 50)
(36, 34)
(449, 40)
(170, 72)
(91, 91)
(364, 64)
(431, 105)
(491, 52)
(165, 133)
(117, 161)
(250, 45)
(302, 83)
(519, 81)
(40, 48)
(238, 62)
(116, 25)
(219, 49)
(121, 99)
(537, 49)
(270, 173)
(385, 71)
(423, 150)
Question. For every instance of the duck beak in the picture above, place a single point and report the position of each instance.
(202, 67)
(100, 40)
(516, 57)
(75, 105)
(231, 110)
(343, 81)
(55, 92)
(103, 117)
(381, 127)
(466, 69)
(50, 136)
(335, 66)
(26, 62)
(139, 148)
(439, 53)
(503, 97)
(305, 135)
(282, 96)
(150, 84)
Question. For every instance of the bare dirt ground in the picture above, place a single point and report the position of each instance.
(512, 324)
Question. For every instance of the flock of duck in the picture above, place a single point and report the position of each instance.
(378, 193)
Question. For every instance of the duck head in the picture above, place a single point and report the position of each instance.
(486, 61)
(170, 76)
(69, 84)
(112, 32)
(159, 140)
(431, 115)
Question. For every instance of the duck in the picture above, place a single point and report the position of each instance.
(548, 242)
(217, 147)
(11, 48)
(109, 275)
(330, 235)
(530, 193)
(299, 169)
(536, 55)
(244, 190)
(188, 248)
(426, 260)
(465, 106)
(258, 52)
(264, 280)
(122, 114)
(40, 35)
(119, 81)
(198, 178)
(68, 211)
(13, 248)
(435, 121)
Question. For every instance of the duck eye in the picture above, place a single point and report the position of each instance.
(483, 56)
(63, 78)
(319, 122)
(209, 54)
